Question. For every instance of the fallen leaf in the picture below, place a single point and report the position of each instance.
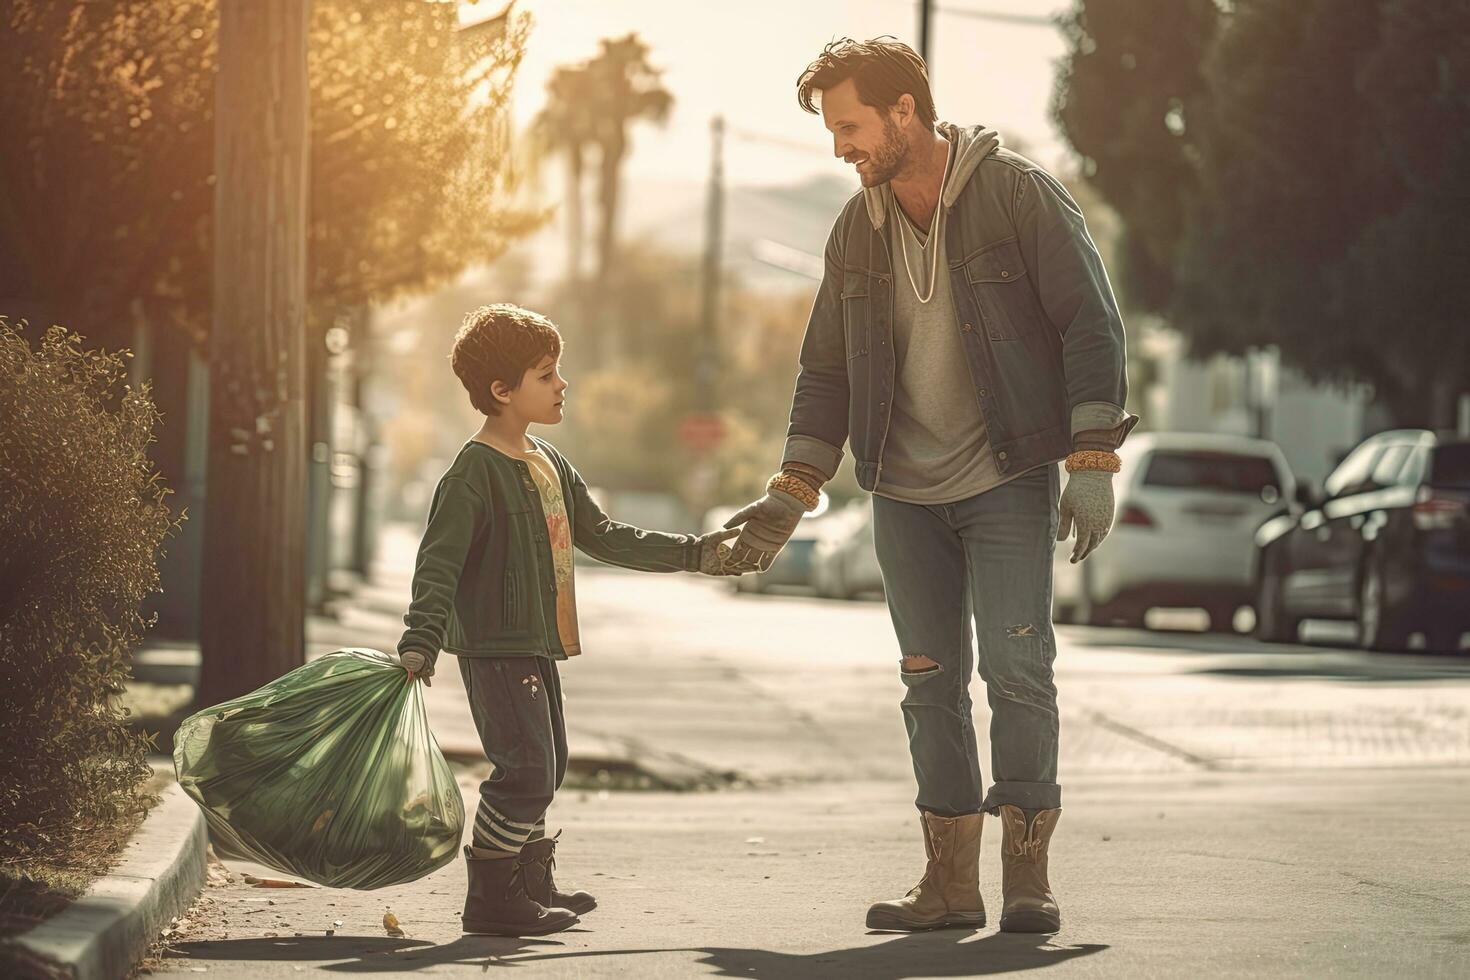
(391, 926)
(322, 821)
(255, 882)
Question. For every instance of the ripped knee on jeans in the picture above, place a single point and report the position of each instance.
(917, 663)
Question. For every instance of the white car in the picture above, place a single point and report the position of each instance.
(1187, 508)
(845, 564)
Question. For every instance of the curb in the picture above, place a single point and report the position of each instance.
(106, 931)
(598, 761)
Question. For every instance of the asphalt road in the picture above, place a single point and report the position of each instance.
(1230, 808)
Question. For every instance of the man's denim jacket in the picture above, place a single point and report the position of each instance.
(1041, 330)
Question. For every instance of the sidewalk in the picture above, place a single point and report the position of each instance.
(1225, 876)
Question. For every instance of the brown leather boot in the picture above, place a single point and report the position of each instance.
(949, 892)
(541, 885)
(496, 902)
(1028, 904)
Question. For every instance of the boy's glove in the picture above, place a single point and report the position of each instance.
(713, 552)
(769, 523)
(418, 666)
(1087, 502)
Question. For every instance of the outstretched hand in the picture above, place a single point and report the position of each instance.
(768, 524)
(714, 553)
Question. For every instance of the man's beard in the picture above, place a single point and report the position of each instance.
(889, 160)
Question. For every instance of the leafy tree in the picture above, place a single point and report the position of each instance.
(106, 188)
(1408, 265)
(1126, 98)
(1320, 209)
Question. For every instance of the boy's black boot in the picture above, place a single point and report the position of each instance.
(541, 884)
(496, 902)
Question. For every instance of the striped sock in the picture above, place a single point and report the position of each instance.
(494, 831)
(539, 832)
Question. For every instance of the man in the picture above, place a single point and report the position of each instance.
(964, 340)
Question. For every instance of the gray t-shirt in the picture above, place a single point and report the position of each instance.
(937, 451)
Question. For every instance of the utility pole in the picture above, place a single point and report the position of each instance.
(714, 233)
(252, 617)
(926, 10)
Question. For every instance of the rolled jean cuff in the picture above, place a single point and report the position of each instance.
(1027, 796)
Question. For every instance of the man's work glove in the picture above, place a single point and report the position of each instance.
(1087, 502)
(768, 525)
(418, 666)
(713, 552)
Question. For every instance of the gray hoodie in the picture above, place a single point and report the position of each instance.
(974, 143)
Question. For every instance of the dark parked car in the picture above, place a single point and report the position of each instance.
(1388, 545)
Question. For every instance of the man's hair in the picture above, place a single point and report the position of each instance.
(883, 69)
(500, 343)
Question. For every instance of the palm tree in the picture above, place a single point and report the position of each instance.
(625, 88)
(565, 128)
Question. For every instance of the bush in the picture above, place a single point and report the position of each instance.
(82, 518)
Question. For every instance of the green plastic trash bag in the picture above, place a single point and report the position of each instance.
(329, 773)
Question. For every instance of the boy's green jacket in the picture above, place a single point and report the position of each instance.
(484, 584)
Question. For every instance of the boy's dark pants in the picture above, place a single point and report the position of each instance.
(517, 706)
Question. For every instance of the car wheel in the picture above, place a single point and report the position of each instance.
(1129, 616)
(1222, 617)
(839, 584)
(1085, 611)
(1443, 638)
(1380, 626)
(1273, 623)
(1090, 612)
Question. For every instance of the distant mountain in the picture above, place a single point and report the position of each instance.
(671, 214)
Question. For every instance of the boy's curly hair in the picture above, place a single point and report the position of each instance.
(500, 342)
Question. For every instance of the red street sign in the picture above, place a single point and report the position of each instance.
(702, 433)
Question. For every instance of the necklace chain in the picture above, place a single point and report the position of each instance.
(933, 232)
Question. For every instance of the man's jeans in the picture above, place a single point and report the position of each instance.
(990, 554)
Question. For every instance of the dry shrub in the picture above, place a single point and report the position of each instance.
(82, 519)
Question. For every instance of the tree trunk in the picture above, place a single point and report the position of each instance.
(253, 627)
(575, 235)
(609, 190)
(363, 523)
(582, 312)
(318, 471)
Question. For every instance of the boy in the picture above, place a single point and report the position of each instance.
(493, 585)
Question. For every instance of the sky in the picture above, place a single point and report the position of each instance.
(742, 60)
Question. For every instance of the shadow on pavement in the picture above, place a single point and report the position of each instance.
(947, 953)
(1249, 657)
(1365, 670)
(359, 954)
(932, 954)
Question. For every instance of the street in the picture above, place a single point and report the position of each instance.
(1230, 807)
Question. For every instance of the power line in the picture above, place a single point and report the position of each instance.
(1022, 20)
(751, 136)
